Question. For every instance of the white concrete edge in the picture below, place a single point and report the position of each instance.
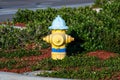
(17, 27)
(97, 9)
(15, 76)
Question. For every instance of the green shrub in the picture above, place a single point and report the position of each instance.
(100, 3)
(91, 30)
(23, 16)
(11, 37)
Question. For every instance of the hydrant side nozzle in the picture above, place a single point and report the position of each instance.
(47, 39)
(72, 39)
(44, 39)
(69, 39)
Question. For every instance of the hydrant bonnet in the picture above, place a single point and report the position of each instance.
(58, 24)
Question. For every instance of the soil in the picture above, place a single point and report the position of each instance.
(31, 60)
(18, 24)
(103, 55)
(46, 53)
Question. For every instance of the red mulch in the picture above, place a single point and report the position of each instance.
(103, 55)
(46, 53)
(16, 24)
(26, 69)
(20, 24)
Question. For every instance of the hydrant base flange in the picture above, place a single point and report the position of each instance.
(56, 55)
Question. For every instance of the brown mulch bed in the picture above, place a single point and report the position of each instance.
(27, 61)
(46, 53)
(103, 55)
(22, 25)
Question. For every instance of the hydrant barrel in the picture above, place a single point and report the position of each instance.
(58, 39)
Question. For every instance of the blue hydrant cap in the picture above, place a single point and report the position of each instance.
(58, 23)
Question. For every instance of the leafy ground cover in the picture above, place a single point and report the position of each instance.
(84, 66)
(20, 61)
(93, 65)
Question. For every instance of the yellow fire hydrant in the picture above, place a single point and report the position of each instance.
(58, 38)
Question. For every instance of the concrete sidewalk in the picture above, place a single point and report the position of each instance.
(15, 76)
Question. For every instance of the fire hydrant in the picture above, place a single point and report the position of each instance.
(58, 38)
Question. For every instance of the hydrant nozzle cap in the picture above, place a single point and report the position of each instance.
(44, 39)
(58, 23)
(72, 39)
